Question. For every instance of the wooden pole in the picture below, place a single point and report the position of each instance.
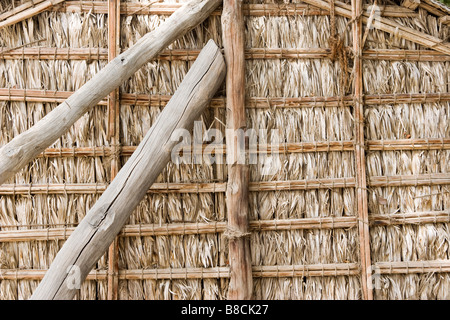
(361, 184)
(114, 135)
(258, 10)
(19, 8)
(23, 148)
(241, 281)
(28, 13)
(104, 221)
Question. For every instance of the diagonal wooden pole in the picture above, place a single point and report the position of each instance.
(241, 282)
(29, 144)
(24, 12)
(106, 218)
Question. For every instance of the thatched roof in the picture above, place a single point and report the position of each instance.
(306, 239)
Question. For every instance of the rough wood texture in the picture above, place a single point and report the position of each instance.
(410, 4)
(23, 148)
(19, 8)
(26, 13)
(361, 183)
(114, 135)
(103, 222)
(241, 281)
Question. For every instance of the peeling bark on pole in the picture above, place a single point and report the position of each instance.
(241, 281)
(104, 221)
(29, 144)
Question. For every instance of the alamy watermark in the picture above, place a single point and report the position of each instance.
(248, 146)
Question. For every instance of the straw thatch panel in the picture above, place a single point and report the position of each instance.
(197, 260)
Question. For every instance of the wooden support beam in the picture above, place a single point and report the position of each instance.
(431, 179)
(114, 136)
(293, 147)
(41, 53)
(213, 187)
(26, 146)
(19, 8)
(444, 20)
(409, 144)
(241, 281)
(312, 270)
(254, 10)
(51, 96)
(431, 9)
(410, 4)
(21, 15)
(103, 222)
(55, 232)
(435, 7)
(361, 185)
(388, 25)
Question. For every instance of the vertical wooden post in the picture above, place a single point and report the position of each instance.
(361, 183)
(241, 282)
(114, 136)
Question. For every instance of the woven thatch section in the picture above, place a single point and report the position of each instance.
(193, 265)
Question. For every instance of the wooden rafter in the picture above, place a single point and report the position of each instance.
(28, 12)
(272, 9)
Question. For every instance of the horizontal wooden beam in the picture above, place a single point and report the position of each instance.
(256, 10)
(51, 96)
(293, 147)
(410, 218)
(431, 179)
(49, 232)
(409, 267)
(312, 270)
(29, 12)
(211, 187)
(176, 228)
(29, 4)
(89, 54)
(409, 144)
(48, 53)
